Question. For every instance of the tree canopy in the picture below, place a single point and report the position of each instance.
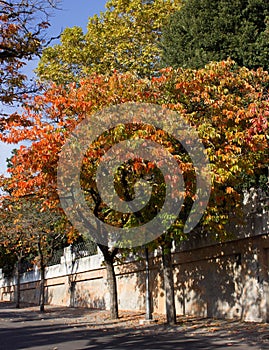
(22, 36)
(124, 38)
(203, 31)
(227, 105)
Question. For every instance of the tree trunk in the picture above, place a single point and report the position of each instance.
(42, 288)
(42, 278)
(18, 283)
(109, 257)
(148, 294)
(168, 283)
(112, 288)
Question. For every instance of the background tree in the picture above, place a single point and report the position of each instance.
(14, 241)
(124, 38)
(203, 31)
(30, 231)
(22, 38)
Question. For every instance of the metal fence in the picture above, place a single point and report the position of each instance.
(27, 266)
(83, 249)
(56, 257)
(80, 250)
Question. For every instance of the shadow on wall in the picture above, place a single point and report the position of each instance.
(137, 271)
(209, 288)
(203, 287)
(221, 281)
(227, 286)
(81, 297)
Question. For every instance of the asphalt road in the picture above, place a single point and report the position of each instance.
(69, 329)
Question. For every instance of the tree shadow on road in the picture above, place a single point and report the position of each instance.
(65, 337)
(70, 333)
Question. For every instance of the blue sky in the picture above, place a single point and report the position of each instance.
(74, 12)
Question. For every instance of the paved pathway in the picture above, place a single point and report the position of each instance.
(83, 329)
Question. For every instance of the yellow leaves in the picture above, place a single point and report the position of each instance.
(124, 38)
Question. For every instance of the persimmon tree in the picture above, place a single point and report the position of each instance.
(227, 105)
(125, 38)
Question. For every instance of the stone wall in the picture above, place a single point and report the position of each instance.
(225, 281)
(228, 280)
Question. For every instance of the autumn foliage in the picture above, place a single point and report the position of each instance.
(227, 105)
(22, 37)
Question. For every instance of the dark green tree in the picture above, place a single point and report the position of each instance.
(205, 30)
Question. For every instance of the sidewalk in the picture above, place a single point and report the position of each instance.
(62, 328)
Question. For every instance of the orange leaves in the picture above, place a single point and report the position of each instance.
(229, 190)
(138, 166)
(150, 166)
(186, 167)
(227, 105)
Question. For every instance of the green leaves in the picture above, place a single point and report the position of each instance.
(26, 226)
(203, 31)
